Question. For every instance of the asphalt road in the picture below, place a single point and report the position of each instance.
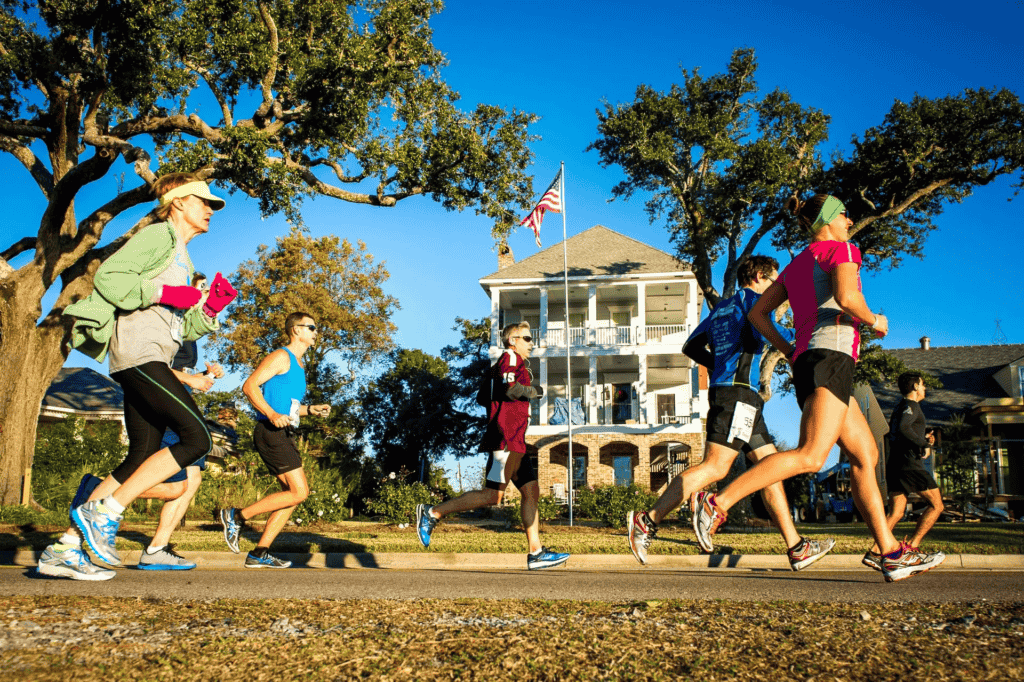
(604, 585)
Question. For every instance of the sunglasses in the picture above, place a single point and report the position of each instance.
(310, 327)
(528, 339)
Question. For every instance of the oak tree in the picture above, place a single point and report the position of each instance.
(280, 100)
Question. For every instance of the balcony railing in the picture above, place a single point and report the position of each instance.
(556, 337)
(666, 333)
(614, 336)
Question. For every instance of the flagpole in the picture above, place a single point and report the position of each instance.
(568, 342)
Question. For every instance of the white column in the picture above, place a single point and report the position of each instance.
(592, 392)
(542, 342)
(641, 393)
(692, 311)
(544, 384)
(495, 310)
(641, 313)
(591, 314)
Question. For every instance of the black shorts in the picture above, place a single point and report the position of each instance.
(903, 476)
(722, 410)
(276, 447)
(495, 471)
(820, 367)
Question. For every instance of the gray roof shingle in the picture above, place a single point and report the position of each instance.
(966, 373)
(596, 252)
(84, 390)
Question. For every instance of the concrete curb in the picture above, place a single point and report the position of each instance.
(584, 562)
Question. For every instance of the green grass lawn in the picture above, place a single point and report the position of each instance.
(463, 536)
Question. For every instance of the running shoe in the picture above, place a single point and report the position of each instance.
(545, 558)
(268, 560)
(71, 563)
(85, 488)
(707, 519)
(165, 560)
(808, 551)
(424, 523)
(872, 560)
(909, 563)
(232, 528)
(100, 530)
(641, 532)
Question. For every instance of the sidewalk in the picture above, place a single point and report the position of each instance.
(583, 562)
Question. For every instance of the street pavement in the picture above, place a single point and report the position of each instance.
(499, 576)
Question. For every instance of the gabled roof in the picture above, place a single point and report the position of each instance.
(84, 390)
(966, 373)
(593, 253)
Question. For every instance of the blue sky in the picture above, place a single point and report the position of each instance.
(561, 60)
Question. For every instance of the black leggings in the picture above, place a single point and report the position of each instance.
(154, 401)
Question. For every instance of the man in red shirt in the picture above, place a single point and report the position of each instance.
(504, 442)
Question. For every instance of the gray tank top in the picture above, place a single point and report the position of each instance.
(151, 334)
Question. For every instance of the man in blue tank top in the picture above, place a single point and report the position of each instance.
(276, 390)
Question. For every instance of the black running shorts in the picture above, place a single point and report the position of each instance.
(722, 413)
(496, 470)
(904, 476)
(818, 367)
(276, 447)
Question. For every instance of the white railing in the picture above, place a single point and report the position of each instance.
(556, 337)
(613, 336)
(666, 333)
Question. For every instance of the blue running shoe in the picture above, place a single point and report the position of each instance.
(100, 530)
(425, 523)
(85, 488)
(268, 560)
(545, 558)
(232, 528)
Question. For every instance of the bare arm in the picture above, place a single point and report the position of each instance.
(272, 365)
(851, 300)
(761, 317)
(197, 382)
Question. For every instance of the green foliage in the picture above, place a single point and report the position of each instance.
(611, 503)
(67, 450)
(958, 467)
(336, 282)
(395, 499)
(329, 491)
(548, 509)
(413, 411)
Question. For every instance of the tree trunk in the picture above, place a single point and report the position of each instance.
(30, 357)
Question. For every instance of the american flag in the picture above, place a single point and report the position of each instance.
(551, 201)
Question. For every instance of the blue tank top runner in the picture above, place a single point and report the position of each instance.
(280, 390)
(735, 345)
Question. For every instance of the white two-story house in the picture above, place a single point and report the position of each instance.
(630, 309)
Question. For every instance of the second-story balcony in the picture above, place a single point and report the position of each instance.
(675, 334)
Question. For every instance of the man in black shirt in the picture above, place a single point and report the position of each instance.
(910, 443)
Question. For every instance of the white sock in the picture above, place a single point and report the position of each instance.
(70, 539)
(113, 506)
(152, 549)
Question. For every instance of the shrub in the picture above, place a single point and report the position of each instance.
(395, 499)
(67, 450)
(610, 503)
(511, 513)
(585, 503)
(328, 497)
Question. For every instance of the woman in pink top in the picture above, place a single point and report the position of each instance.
(823, 287)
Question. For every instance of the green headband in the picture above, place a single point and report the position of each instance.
(829, 210)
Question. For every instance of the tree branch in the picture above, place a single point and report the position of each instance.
(39, 172)
(205, 74)
(268, 78)
(896, 209)
(21, 246)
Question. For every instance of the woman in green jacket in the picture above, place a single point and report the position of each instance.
(140, 312)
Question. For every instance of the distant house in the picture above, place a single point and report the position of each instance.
(640, 402)
(986, 384)
(84, 393)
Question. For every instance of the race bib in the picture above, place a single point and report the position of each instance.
(743, 418)
(176, 323)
